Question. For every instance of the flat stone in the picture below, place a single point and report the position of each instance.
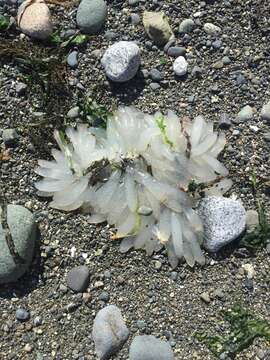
(91, 15)
(78, 278)
(23, 231)
(156, 75)
(34, 19)
(157, 27)
(109, 332)
(180, 66)
(148, 347)
(265, 113)
(252, 220)
(121, 61)
(176, 51)
(224, 220)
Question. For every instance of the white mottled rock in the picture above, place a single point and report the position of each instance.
(224, 220)
(212, 29)
(180, 66)
(157, 27)
(121, 61)
(34, 19)
(109, 332)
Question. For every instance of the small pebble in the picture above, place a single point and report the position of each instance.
(180, 66)
(176, 51)
(72, 59)
(186, 26)
(205, 297)
(22, 314)
(156, 75)
(78, 278)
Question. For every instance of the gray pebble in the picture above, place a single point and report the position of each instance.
(245, 114)
(78, 278)
(22, 314)
(224, 121)
(156, 75)
(196, 71)
(205, 297)
(145, 210)
(224, 220)
(73, 112)
(135, 19)
(110, 35)
(104, 296)
(37, 321)
(226, 60)
(141, 324)
(109, 332)
(186, 26)
(21, 88)
(148, 347)
(72, 59)
(154, 86)
(23, 231)
(121, 61)
(10, 136)
(211, 29)
(176, 51)
(265, 112)
(91, 15)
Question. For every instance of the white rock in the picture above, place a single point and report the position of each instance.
(121, 61)
(34, 19)
(180, 66)
(109, 332)
(211, 29)
(224, 220)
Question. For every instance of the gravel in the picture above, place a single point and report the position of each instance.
(140, 290)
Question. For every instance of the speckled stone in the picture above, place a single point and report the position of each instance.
(224, 220)
(121, 61)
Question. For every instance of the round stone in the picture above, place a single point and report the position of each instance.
(78, 278)
(17, 242)
(22, 314)
(186, 26)
(180, 66)
(91, 15)
(245, 114)
(121, 61)
(34, 19)
(148, 347)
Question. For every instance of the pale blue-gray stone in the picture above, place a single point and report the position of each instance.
(109, 332)
(91, 15)
(148, 347)
(23, 232)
